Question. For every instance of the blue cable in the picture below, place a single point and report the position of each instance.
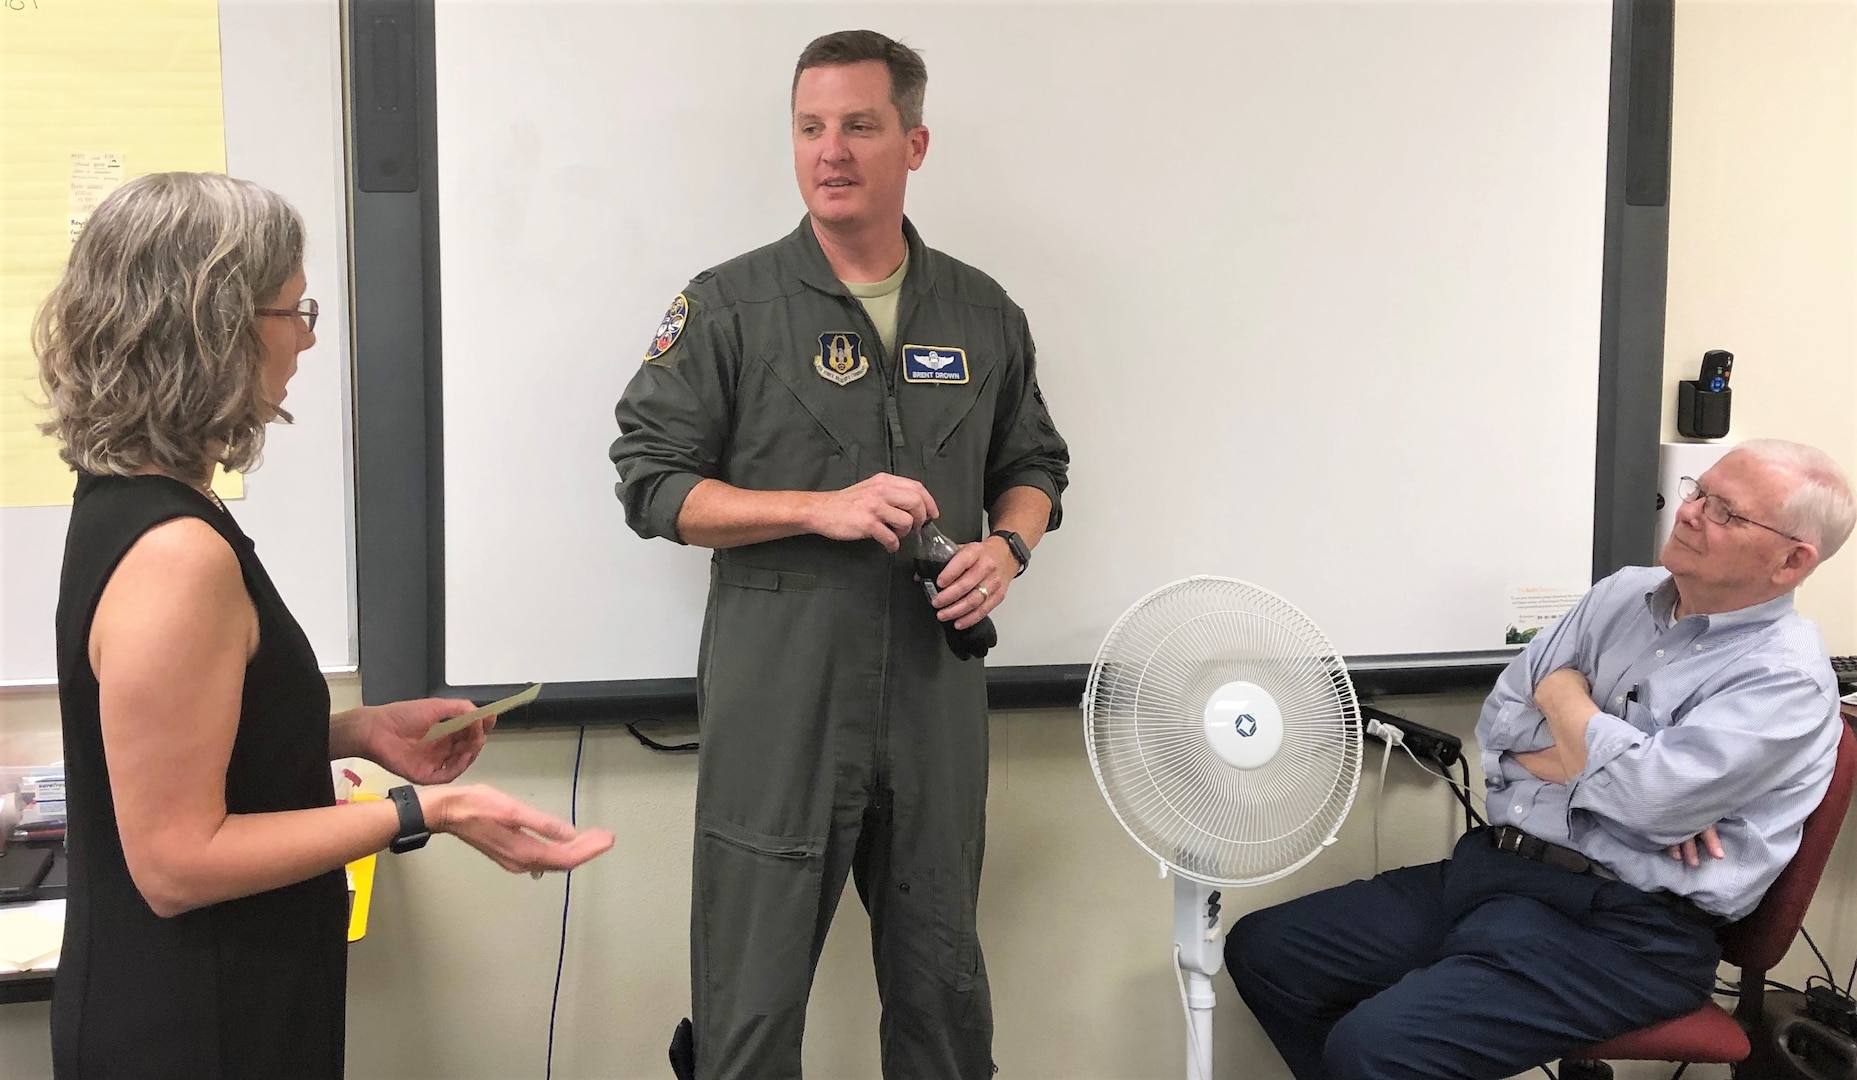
(567, 892)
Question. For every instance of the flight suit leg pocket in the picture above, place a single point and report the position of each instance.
(760, 908)
(951, 934)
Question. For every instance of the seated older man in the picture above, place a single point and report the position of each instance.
(1650, 763)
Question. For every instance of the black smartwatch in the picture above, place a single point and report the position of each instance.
(412, 835)
(1016, 545)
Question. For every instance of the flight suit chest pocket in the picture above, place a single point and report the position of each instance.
(954, 426)
(787, 436)
(938, 414)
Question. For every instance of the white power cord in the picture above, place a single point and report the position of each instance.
(1392, 737)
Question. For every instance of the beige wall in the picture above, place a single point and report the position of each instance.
(1763, 234)
(455, 976)
(454, 979)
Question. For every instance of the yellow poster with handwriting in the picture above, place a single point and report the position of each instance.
(92, 93)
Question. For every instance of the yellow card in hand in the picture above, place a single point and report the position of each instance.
(495, 708)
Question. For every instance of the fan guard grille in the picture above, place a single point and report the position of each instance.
(1144, 724)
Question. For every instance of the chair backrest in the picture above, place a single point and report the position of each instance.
(1762, 939)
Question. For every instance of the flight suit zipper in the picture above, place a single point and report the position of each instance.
(893, 429)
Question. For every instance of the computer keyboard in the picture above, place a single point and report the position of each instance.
(1845, 668)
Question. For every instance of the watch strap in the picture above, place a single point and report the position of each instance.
(412, 834)
(1015, 544)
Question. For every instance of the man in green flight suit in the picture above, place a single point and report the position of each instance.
(803, 409)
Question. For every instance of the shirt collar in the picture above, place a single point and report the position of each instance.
(1662, 604)
(816, 272)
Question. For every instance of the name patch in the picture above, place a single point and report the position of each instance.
(934, 364)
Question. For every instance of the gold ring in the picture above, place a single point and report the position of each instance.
(536, 874)
(984, 594)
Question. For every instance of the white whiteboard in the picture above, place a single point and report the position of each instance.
(1316, 289)
(281, 65)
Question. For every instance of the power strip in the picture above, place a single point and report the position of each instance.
(1427, 742)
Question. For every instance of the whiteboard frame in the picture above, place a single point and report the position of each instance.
(399, 417)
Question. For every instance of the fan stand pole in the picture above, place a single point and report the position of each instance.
(1197, 936)
(1199, 1026)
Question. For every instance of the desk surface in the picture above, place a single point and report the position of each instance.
(36, 985)
(25, 986)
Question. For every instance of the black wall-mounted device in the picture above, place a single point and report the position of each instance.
(1703, 403)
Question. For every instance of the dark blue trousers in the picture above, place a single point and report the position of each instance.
(1479, 967)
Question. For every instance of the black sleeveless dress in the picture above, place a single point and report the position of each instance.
(253, 987)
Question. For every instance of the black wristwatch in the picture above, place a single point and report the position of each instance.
(412, 835)
(1016, 545)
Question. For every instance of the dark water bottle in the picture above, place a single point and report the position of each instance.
(933, 550)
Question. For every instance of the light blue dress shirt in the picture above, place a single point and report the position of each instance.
(1728, 720)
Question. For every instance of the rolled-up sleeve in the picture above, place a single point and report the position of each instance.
(674, 419)
(1764, 731)
(1026, 449)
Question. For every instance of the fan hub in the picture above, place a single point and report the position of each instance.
(1244, 726)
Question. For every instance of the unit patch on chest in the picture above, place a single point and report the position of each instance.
(841, 359)
(934, 364)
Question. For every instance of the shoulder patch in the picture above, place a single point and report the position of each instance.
(669, 329)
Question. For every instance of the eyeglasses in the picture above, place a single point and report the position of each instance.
(305, 310)
(1715, 508)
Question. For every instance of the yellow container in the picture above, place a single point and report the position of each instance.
(360, 886)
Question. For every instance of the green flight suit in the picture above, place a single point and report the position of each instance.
(839, 733)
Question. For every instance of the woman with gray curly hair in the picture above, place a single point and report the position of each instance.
(206, 922)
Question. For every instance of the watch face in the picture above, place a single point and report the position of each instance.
(403, 844)
(1016, 545)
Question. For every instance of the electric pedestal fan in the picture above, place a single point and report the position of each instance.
(1225, 736)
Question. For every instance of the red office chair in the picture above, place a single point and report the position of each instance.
(1755, 945)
